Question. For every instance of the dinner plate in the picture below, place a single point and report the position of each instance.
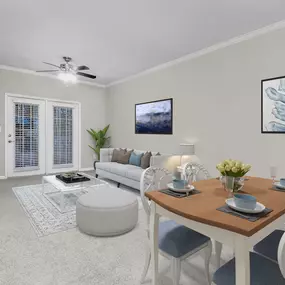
(170, 186)
(278, 185)
(258, 209)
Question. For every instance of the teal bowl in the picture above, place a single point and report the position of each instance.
(179, 184)
(282, 181)
(245, 201)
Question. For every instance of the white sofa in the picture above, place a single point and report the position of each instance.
(126, 174)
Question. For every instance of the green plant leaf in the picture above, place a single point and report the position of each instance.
(99, 138)
(92, 148)
(105, 130)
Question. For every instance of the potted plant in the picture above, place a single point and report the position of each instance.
(100, 139)
(235, 169)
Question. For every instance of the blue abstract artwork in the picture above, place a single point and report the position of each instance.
(273, 105)
(154, 117)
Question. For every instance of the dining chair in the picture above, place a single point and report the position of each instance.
(199, 172)
(268, 247)
(176, 242)
(196, 170)
(263, 271)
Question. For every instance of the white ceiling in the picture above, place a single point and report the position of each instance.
(120, 38)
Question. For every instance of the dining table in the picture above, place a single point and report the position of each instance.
(199, 212)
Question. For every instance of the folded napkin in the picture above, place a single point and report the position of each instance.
(249, 217)
(179, 194)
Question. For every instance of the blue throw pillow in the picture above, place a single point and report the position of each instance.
(135, 159)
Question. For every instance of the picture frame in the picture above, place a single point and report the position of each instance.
(154, 117)
(273, 105)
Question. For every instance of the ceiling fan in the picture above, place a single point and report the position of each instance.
(67, 69)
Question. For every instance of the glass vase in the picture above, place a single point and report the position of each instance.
(229, 185)
(238, 183)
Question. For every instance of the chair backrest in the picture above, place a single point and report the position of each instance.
(196, 170)
(281, 255)
(153, 178)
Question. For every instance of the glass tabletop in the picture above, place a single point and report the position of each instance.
(61, 186)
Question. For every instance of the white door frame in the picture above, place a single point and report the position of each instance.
(9, 95)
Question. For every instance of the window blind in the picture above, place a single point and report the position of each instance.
(62, 135)
(26, 135)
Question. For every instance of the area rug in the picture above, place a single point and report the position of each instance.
(43, 215)
(42, 209)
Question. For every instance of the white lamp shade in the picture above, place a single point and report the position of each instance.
(187, 149)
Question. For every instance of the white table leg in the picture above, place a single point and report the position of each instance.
(242, 262)
(218, 251)
(154, 221)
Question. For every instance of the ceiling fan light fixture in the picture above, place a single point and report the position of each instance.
(67, 77)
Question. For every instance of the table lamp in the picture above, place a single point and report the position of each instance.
(187, 153)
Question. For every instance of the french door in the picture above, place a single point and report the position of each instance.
(42, 136)
(62, 137)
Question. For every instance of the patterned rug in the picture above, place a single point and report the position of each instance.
(43, 214)
(43, 209)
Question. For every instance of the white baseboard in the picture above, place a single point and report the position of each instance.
(3, 177)
(86, 169)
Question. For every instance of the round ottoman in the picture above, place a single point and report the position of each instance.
(106, 211)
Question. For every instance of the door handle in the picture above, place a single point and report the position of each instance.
(9, 141)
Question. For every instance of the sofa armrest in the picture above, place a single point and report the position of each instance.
(106, 154)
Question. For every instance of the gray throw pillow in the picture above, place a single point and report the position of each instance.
(117, 152)
(145, 160)
(124, 158)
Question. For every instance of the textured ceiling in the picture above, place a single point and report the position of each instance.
(117, 39)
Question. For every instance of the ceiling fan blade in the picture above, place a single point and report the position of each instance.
(51, 64)
(86, 75)
(47, 70)
(82, 67)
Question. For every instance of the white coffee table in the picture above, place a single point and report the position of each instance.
(64, 188)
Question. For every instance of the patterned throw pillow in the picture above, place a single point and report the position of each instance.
(145, 160)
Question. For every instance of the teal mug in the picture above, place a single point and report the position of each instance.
(179, 184)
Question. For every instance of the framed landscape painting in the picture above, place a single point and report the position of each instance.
(273, 105)
(154, 117)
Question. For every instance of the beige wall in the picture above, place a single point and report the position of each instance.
(92, 101)
(217, 105)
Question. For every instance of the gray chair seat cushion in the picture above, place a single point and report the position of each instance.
(268, 247)
(177, 240)
(106, 211)
(262, 272)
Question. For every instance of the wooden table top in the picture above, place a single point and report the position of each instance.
(202, 207)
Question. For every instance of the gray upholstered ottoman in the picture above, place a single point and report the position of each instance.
(106, 211)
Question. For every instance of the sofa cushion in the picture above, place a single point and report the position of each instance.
(124, 170)
(124, 158)
(112, 167)
(135, 159)
(145, 160)
(117, 153)
(104, 165)
(134, 173)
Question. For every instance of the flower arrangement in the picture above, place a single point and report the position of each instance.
(234, 168)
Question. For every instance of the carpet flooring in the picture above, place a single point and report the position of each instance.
(71, 257)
